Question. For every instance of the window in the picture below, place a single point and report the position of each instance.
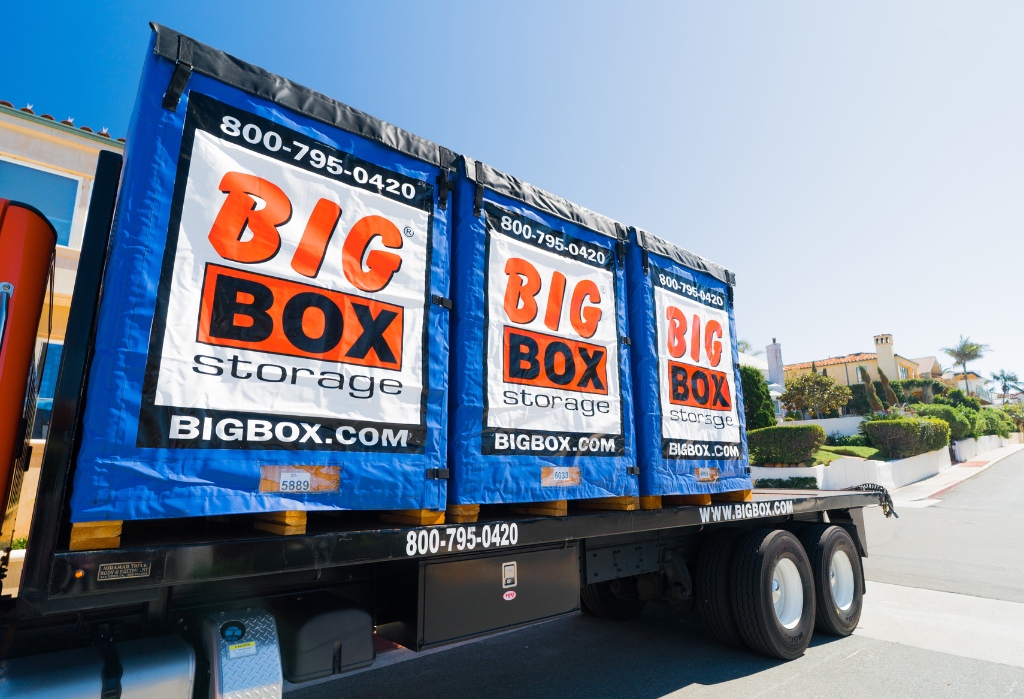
(54, 195)
(47, 385)
(903, 373)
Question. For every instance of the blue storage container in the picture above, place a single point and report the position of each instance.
(691, 437)
(541, 398)
(273, 331)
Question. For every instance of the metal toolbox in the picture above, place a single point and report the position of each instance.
(461, 598)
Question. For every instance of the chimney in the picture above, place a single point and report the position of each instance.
(775, 371)
(886, 356)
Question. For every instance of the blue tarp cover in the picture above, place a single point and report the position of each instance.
(541, 399)
(689, 408)
(266, 337)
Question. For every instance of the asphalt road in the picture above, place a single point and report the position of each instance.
(947, 599)
(972, 543)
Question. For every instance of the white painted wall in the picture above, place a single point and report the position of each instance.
(845, 426)
(967, 449)
(851, 471)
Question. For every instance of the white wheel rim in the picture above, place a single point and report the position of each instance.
(840, 580)
(787, 593)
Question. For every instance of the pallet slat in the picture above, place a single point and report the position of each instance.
(734, 496)
(287, 523)
(416, 517)
(462, 514)
(676, 500)
(554, 508)
(650, 502)
(622, 504)
(87, 536)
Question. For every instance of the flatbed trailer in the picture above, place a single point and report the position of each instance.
(181, 604)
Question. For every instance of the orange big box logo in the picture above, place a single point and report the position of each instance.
(550, 361)
(247, 310)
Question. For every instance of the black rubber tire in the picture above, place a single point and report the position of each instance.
(711, 586)
(757, 553)
(821, 541)
(598, 600)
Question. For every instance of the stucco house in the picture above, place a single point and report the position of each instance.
(928, 367)
(50, 164)
(845, 369)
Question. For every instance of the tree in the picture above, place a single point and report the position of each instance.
(1007, 380)
(815, 393)
(890, 395)
(869, 390)
(757, 400)
(966, 351)
(745, 347)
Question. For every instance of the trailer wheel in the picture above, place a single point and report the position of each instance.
(838, 578)
(714, 606)
(601, 601)
(773, 593)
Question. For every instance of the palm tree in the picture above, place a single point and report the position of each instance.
(745, 347)
(1007, 380)
(966, 351)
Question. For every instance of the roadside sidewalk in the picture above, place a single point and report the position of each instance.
(925, 493)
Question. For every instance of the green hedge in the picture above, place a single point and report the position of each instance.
(906, 437)
(758, 409)
(995, 421)
(785, 444)
(794, 483)
(960, 425)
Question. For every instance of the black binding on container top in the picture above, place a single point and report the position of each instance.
(652, 243)
(484, 174)
(246, 77)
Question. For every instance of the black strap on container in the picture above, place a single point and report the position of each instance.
(633, 470)
(445, 181)
(182, 72)
(620, 244)
(625, 340)
(438, 474)
(478, 200)
(441, 301)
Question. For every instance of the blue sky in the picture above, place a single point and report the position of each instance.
(860, 166)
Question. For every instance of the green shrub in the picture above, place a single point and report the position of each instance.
(997, 422)
(960, 425)
(758, 408)
(974, 417)
(794, 483)
(19, 543)
(785, 444)
(958, 398)
(794, 415)
(904, 437)
(852, 440)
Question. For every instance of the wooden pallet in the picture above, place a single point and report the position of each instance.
(656, 502)
(733, 496)
(467, 514)
(287, 523)
(622, 504)
(677, 500)
(416, 517)
(87, 536)
(462, 514)
(554, 508)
